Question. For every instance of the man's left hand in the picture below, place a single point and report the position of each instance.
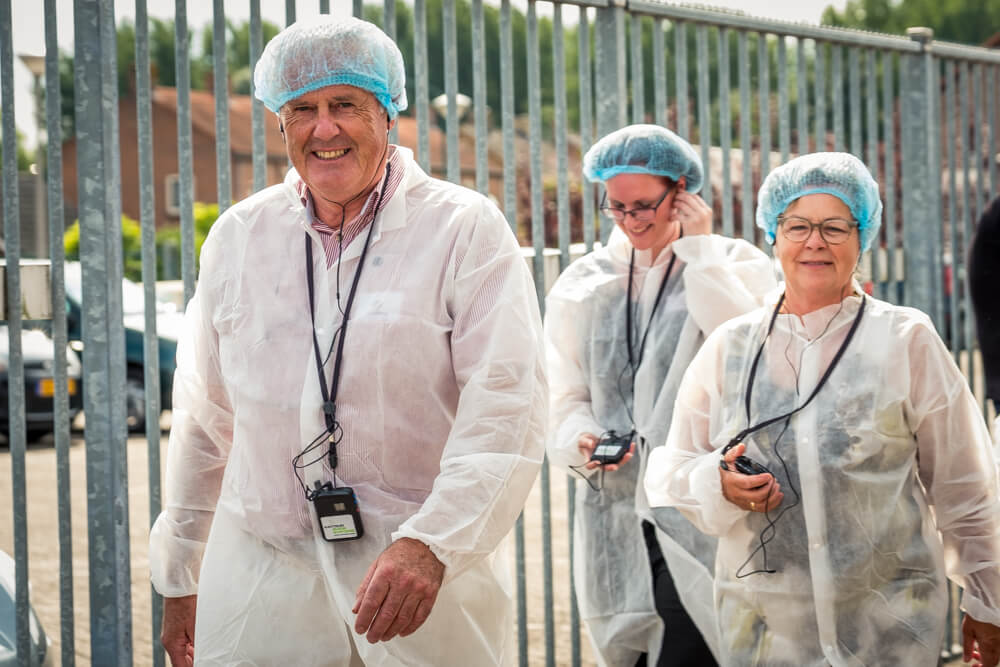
(981, 642)
(693, 214)
(399, 591)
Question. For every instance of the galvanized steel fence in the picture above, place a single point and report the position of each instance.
(749, 93)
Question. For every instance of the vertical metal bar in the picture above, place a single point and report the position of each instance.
(185, 151)
(224, 186)
(618, 16)
(510, 204)
(324, 7)
(681, 82)
(562, 162)
(967, 147)
(854, 66)
(871, 99)
(479, 96)
(889, 132)
(289, 12)
(357, 8)
(151, 348)
(746, 205)
(448, 25)
(638, 83)
(977, 139)
(96, 93)
(764, 88)
(991, 126)
(725, 133)
(17, 436)
(57, 253)
(820, 93)
(956, 249)
(538, 242)
(933, 92)
(837, 95)
(585, 74)
(918, 215)
(610, 75)
(784, 124)
(389, 27)
(422, 86)
(704, 117)
(256, 107)
(660, 114)
(802, 101)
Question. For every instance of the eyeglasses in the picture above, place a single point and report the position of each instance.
(833, 230)
(640, 213)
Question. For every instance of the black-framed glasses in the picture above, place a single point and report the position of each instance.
(833, 230)
(640, 213)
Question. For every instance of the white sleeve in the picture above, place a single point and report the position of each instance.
(569, 392)
(723, 279)
(685, 472)
(496, 445)
(200, 439)
(957, 469)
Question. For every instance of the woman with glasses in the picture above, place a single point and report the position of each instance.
(622, 324)
(832, 445)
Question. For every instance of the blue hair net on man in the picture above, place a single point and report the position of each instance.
(839, 174)
(327, 51)
(644, 149)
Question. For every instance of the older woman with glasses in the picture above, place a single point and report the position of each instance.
(832, 445)
(622, 324)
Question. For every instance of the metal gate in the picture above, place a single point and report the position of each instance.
(749, 93)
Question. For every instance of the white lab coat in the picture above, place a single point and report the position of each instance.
(442, 402)
(713, 279)
(893, 463)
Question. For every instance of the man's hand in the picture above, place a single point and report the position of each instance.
(588, 442)
(399, 591)
(980, 641)
(177, 633)
(754, 493)
(693, 214)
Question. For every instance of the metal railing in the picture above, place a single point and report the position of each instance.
(921, 113)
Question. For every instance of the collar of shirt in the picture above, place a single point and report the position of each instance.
(334, 241)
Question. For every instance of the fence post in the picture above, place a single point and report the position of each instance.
(96, 93)
(610, 76)
(921, 171)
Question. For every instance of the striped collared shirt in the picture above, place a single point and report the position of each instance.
(332, 244)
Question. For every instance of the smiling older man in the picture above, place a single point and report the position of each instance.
(360, 396)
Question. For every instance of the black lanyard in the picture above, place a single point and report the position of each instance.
(753, 374)
(635, 357)
(330, 395)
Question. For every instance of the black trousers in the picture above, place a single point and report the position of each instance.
(683, 645)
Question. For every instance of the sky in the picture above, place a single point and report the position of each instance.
(29, 27)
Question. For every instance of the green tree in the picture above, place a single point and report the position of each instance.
(965, 21)
(131, 246)
(237, 53)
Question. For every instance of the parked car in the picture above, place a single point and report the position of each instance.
(39, 386)
(41, 653)
(168, 326)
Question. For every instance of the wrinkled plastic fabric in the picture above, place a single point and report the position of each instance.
(714, 278)
(891, 451)
(442, 403)
(326, 51)
(839, 174)
(644, 149)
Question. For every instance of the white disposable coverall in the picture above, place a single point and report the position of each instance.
(443, 406)
(891, 458)
(713, 279)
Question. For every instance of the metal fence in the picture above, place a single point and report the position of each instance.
(748, 92)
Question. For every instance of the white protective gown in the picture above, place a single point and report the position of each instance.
(443, 405)
(713, 279)
(891, 459)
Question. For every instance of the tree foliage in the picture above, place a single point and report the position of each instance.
(964, 21)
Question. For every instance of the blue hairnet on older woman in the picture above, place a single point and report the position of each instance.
(830, 442)
(622, 323)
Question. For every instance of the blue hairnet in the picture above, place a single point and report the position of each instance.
(327, 51)
(839, 174)
(644, 149)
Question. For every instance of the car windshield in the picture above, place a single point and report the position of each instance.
(133, 295)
